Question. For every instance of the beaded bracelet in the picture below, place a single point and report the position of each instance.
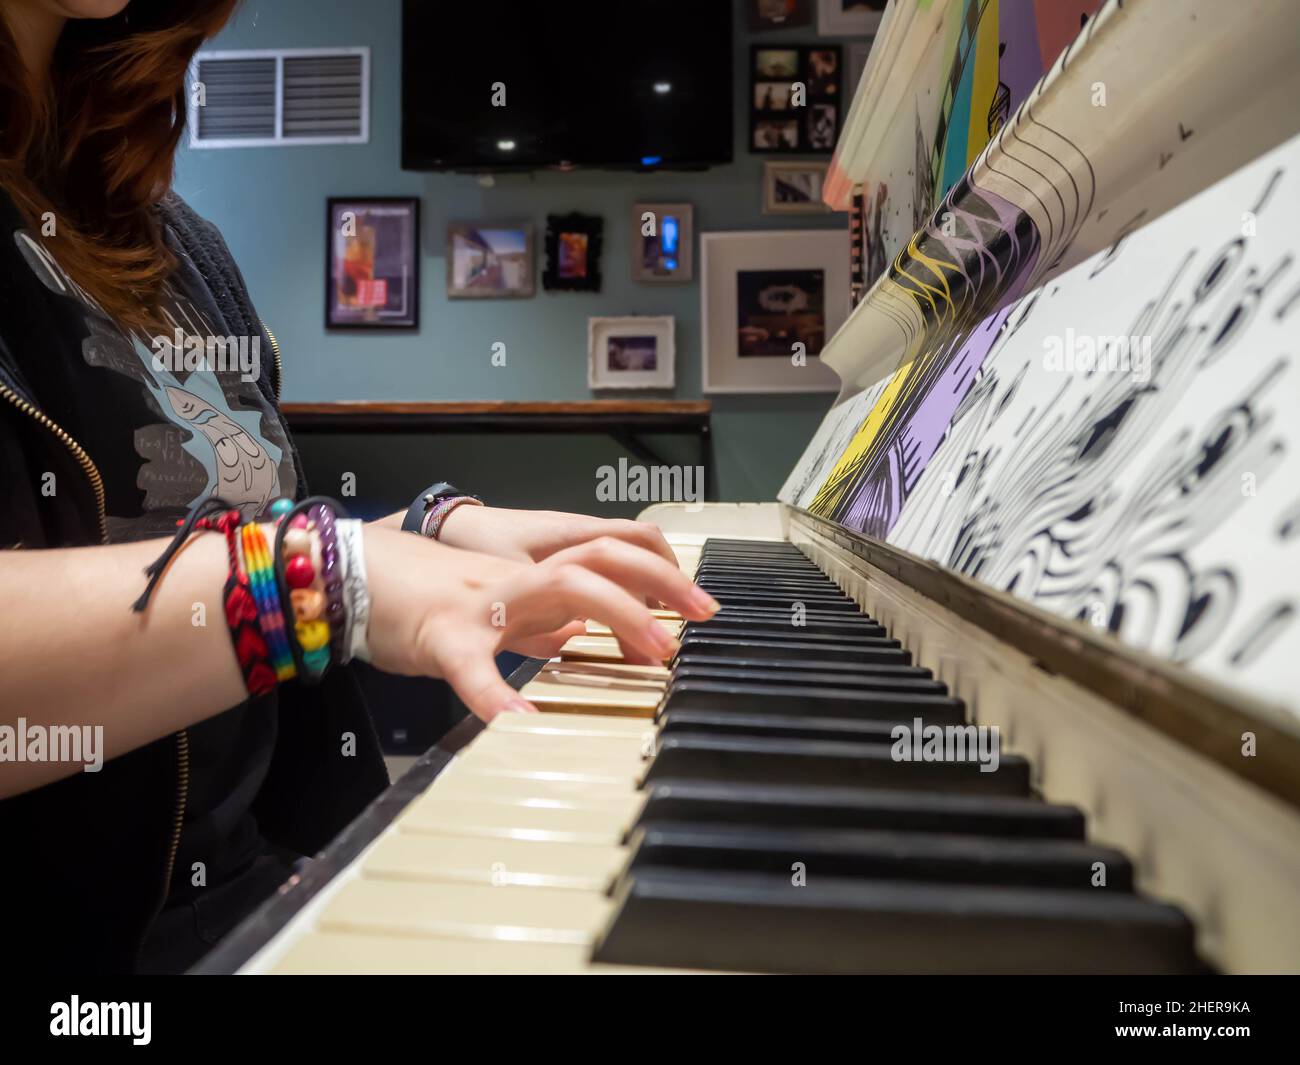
(315, 574)
(331, 574)
(301, 554)
(309, 644)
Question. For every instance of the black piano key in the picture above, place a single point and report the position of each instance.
(759, 558)
(757, 760)
(752, 570)
(760, 922)
(823, 806)
(812, 613)
(738, 586)
(718, 543)
(840, 604)
(791, 591)
(871, 680)
(795, 666)
(927, 857)
(885, 652)
(783, 621)
(865, 639)
(745, 574)
(851, 628)
(884, 703)
(767, 723)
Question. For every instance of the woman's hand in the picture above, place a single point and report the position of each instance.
(438, 611)
(534, 535)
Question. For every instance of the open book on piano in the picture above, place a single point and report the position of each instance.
(1008, 679)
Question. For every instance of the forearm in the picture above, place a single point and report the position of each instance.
(73, 652)
(390, 521)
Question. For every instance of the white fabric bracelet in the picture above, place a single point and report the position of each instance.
(356, 593)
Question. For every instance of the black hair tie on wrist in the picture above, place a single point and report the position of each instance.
(154, 571)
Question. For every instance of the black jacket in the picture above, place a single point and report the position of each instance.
(85, 859)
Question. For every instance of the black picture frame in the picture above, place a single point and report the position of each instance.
(404, 211)
(560, 274)
(796, 13)
(775, 126)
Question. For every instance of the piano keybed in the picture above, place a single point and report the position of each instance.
(739, 809)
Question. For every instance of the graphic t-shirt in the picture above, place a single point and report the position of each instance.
(164, 433)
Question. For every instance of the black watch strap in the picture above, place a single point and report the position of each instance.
(417, 510)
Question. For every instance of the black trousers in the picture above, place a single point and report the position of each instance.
(190, 927)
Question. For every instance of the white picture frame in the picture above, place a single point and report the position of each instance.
(602, 374)
(788, 170)
(724, 257)
(834, 21)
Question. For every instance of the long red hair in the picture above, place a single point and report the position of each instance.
(95, 145)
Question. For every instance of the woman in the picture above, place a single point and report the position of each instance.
(205, 797)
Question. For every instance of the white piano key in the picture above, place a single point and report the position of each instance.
(605, 824)
(375, 955)
(585, 725)
(461, 781)
(461, 911)
(494, 861)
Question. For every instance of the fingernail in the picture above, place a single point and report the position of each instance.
(662, 640)
(518, 706)
(704, 601)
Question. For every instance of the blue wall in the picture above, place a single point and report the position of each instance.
(270, 204)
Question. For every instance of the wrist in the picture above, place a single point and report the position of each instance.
(464, 527)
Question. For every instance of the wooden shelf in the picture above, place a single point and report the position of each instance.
(595, 415)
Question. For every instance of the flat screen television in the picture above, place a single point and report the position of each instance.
(492, 85)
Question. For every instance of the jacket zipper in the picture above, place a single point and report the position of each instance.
(78, 453)
(97, 486)
(275, 351)
(178, 816)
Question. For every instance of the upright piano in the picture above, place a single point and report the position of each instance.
(1007, 679)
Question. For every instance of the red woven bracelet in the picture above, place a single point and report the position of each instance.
(241, 610)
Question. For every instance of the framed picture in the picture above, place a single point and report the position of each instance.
(573, 253)
(630, 352)
(372, 262)
(490, 260)
(794, 187)
(778, 14)
(849, 18)
(769, 301)
(663, 235)
(796, 98)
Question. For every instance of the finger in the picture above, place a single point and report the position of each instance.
(634, 657)
(644, 534)
(474, 676)
(643, 574)
(581, 590)
(547, 644)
